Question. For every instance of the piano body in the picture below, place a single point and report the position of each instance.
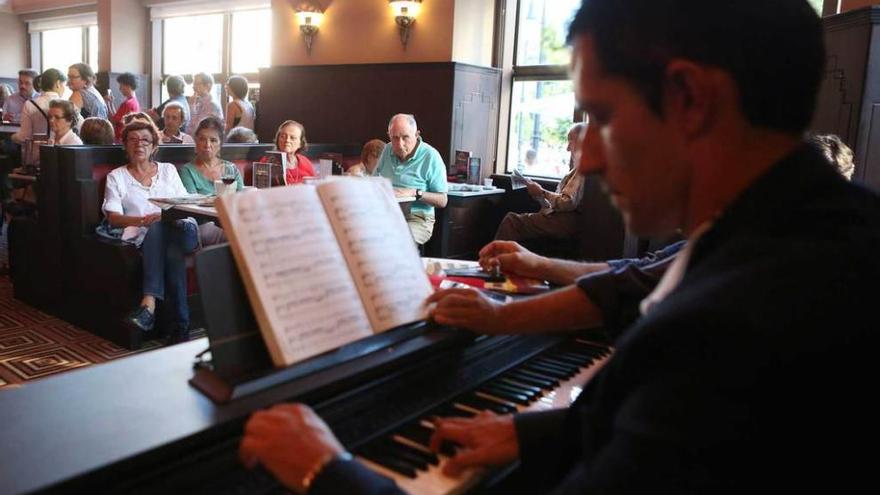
(137, 425)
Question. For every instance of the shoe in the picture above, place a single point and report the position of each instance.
(142, 318)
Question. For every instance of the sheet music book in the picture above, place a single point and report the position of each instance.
(325, 265)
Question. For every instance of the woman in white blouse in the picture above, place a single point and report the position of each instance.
(165, 244)
(62, 116)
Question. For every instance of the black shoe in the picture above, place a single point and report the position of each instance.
(142, 318)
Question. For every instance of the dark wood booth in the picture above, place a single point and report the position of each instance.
(60, 265)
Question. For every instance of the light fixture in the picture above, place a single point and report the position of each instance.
(405, 13)
(309, 19)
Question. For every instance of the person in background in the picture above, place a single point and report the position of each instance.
(202, 102)
(175, 85)
(62, 116)
(198, 176)
(370, 154)
(291, 139)
(558, 217)
(127, 85)
(164, 245)
(34, 115)
(416, 169)
(239, 111)
(96, 131)
(242, 135)
(14, 103)
(81, 80)
(172, 116)
(5, 93)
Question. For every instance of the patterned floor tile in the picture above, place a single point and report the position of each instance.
(40, 364)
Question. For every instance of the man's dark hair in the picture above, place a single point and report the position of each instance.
(49, 78)
(238, 85)
(31, 73)
(175, 85)
(212, 123)
(128, 79)
(773, 49)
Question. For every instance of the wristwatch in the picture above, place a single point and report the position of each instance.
(418, 194)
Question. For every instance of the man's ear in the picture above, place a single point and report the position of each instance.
(689, 96)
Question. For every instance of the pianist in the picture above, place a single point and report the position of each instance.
(749, 372)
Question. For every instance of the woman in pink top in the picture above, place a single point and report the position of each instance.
(127, 85)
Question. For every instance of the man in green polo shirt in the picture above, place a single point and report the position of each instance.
(415, 168)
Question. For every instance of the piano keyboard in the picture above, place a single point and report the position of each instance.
(549, 380)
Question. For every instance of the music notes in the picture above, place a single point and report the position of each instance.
(298, 271)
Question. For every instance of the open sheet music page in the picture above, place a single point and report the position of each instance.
(381, 254)
(297, 281)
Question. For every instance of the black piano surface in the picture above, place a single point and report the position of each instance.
(136, 426)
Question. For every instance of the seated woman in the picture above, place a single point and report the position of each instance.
(291, 139)
(164, 245)
(98, 131)
(239, 111)
(198, 176)
(172, 116)
(62, 116)
(370, 154)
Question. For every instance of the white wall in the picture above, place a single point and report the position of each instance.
(473, 31)
(13, 36)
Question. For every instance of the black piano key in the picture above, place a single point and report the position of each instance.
(529, 380)
(543, 370)
(571, 370)
(519, 385)
(388, 462)
(570, 359)
(481, 404)
(537, 376)
(528, 392)
(415, 457)
(504, 394)
(590, 348)
(450, 411)
(417, 433)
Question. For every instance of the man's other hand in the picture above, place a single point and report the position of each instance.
(289, 440)
(486, 439)
(467, 308)
(512, 259)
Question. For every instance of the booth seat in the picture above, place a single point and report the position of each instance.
(97, 280)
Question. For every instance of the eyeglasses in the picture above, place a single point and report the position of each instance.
(71, 77)
(139, 141)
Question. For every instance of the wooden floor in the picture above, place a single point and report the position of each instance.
(34, 344)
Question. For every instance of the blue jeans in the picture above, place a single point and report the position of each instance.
(164, 249)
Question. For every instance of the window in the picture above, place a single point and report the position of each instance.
(222, 44)
(61, 48)
(542, 106)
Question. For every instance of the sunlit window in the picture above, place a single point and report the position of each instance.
(62, 48)
(193, 44)
(251, 37)
(93, 47)
(542, 106)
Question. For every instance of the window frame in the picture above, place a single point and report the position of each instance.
(86, 47)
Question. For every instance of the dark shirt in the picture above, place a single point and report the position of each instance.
(755, 374)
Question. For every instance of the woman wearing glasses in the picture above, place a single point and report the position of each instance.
(164, 245)
(62, 116)
(81, 80)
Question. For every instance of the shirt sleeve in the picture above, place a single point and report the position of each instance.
(113, 195)
(570, 196)
(186, 179)
(436, 180)
(352, 477)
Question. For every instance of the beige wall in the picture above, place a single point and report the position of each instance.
(855, 4)
(473, 31)
(125, 48)
(26, 6)
(13, 55)
(363, 31)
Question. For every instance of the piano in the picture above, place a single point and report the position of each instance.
(136, 425)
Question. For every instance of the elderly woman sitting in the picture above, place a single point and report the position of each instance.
(164, 245)
(291, 139)
(62, 116)
(98, 131)
(198, 176)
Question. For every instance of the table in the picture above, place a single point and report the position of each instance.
(209, 213)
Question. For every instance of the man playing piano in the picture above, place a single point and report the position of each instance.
(750, 369)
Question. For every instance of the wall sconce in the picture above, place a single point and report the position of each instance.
(405, 13)
(309, 22)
